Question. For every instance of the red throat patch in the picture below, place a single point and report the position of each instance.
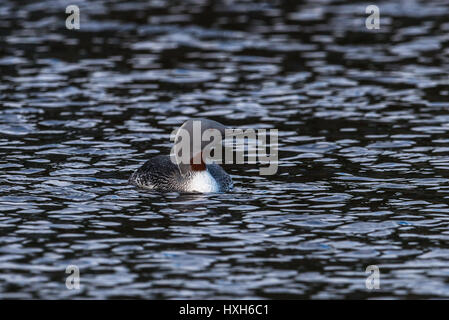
(197, 163)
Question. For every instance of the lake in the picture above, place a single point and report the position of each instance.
(363, 176)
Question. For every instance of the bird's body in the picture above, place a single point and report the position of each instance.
(161, 174)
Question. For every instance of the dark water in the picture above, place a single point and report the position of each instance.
(363, 123)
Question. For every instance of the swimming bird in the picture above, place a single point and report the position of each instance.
(169, 173)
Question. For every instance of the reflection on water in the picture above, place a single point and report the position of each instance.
(362, 119)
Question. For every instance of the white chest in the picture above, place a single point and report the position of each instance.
(202, 181)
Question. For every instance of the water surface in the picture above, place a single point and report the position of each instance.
(363, 132)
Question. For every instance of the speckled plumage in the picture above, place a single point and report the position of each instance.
(161, 174)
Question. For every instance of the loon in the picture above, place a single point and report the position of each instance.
(162, 173)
